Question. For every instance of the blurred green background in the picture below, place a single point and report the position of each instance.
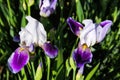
(107, 53)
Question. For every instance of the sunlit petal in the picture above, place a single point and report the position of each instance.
(102, 29)
(87, 22)
(88, 34)
(25, 37)
(74, 26)
(18, 59)
(34, 32)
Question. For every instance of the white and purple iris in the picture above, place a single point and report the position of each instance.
(31, 36)
(90, 33)
(47, 7)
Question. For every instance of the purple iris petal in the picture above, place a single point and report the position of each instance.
(18, 59)
(74, 26)
(102, 29)
(50, 50)
(31, 48)
(53, 4)
(82, 56)
(16, 38)
(106, 22)
(47, 11)
(81, 69)
(47, 7)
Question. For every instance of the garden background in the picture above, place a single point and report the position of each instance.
(105, 64)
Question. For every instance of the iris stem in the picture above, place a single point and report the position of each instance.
(29, 10)
(74, 73)
(33, 69)
(48, 70)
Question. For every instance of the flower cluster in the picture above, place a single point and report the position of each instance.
(90, 33)
(34, 35)
(31, 36)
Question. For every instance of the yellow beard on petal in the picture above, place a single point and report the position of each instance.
(21, 49)
(80, 28)
(84, 46)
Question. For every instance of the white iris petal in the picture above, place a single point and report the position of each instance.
(46, 3)
(88, 34)
(25, 37)
(35, 33)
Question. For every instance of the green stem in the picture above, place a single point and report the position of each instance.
(74, 73)
(29, 10)
(7, 75)
(33, 69)
(48, 70)
(28, 7)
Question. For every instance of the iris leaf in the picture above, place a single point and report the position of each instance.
(89, 76)
(79, 11)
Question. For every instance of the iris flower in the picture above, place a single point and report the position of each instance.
(47, 7)
(31, 36)
(90, 33)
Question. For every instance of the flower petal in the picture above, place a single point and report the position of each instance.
(74, 26)
(31, 48)
(81, 69)
(87, 22)
(47, 7)
(88, 34)
(18, 59)
(16, 38)
(90, 37)
(25, 37)
(36, 30)
(82, 56)
(50, 50)
(53, 4)
(102, 29)
(44, 3)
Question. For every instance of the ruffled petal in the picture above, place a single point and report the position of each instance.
(33, 33)
(102, 29)
(74, 26)
(18, 59)
(82, 55)
(50, 50)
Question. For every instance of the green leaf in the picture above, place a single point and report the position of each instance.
(38, 75)
(68, 68)
(79, 10)
(23, 74)
(72, 63)
(23, 21)
(89, 76)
